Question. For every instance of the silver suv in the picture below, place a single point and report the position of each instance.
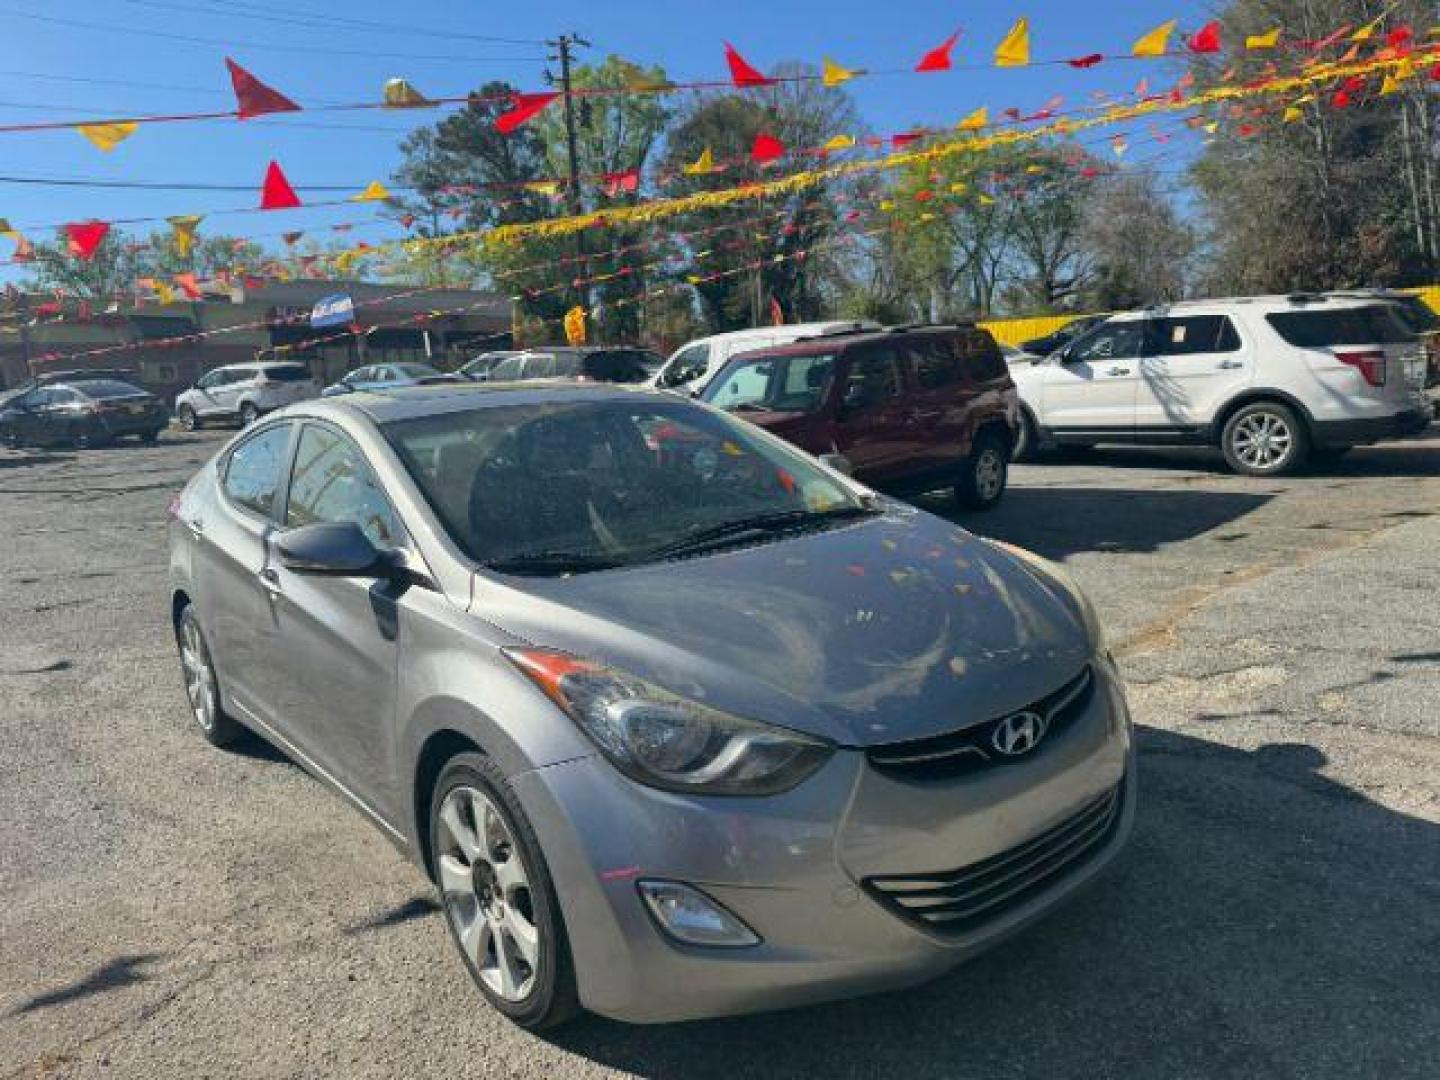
(680, 721)
(244, 392)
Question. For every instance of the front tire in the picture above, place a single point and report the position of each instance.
(498, 899)
(1265, 439)
(187, 417)
(248, 414)
(201, 685)
(987, 471)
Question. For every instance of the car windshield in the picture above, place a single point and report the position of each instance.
(567, 486)
(287, 373)
(105, 388)
(773, 383)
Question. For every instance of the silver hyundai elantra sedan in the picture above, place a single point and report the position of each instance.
(680, 721)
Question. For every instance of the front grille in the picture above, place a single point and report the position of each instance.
(942, 757)
(958, 901)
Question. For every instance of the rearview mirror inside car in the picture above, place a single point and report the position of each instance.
(339, 549)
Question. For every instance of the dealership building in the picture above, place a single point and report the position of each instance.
(331, 326)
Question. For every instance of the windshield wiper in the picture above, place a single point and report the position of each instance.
(553, 562)
(741, 529)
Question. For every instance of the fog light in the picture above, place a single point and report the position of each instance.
(688, 915)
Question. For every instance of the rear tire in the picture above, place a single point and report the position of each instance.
(1265, 439)
(492, 876)
(149, 437)
(202, 687)
(9, 439)
(187, 418)
(987, 472)
(248, 414)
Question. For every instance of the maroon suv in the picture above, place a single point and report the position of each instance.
(912, 409)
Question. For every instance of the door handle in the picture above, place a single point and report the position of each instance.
(1229, 365)
(1117, 370)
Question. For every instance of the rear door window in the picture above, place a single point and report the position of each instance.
(874, 378)
(1376, 325)
(255, 467)
(937, 364)
(1191, 334)
(507, 369)
(980, 357)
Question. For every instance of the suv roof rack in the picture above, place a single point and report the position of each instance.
(958, 324)
(840, 331)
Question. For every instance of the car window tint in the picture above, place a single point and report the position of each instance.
(873, 379)
(540, 366)
(39, 399)
(689, 363)
(508, 368)
(936, 364)
(253, 471)
(1191, 334)
(980, 356)
(63, 395)
(1113, 341)
(215, 378)
(287, 373)
(1377, 325)
(332, 482)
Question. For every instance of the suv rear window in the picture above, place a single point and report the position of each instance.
(287, 373)
(1378, 325)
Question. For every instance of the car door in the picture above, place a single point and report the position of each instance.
(231, 553)
(872, 425)
(226, 393)
(202, 396)
(1192, 365)
(1088, 388)
(942, 403)
(31, 417)
(337, 638)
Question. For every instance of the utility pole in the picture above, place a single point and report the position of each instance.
(564, 54)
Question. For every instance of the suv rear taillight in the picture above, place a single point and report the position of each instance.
(1370, 364)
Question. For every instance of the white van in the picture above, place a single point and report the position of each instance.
(693, 365)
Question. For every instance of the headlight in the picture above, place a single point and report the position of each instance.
(667, 741)
(1058, 574)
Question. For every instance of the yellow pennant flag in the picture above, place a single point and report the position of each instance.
(987, 200)
(1156, 41)
(705, 163)
(549, 188)
(182, 231)
(575, 325)
(374, 192)
(1368, 31)
(978, 119)
(1212, 127)
(107, 136)
(6, 229)
(1390, 85)
(1292, 114)
(1034, 169)
(959, 188)
(839, 142)
(1263, 41)
(165, 293)
(1014, 51)
(835, 74)
(399, 94)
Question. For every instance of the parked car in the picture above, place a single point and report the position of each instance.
(243, 392)
(1044, 346)
(389, 376)
(81, 412)
(480, 367)
(1269, 380)
(910, 410)
(676, 735)
(592, 363)
(692, 366)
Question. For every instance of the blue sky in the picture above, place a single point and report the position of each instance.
(55, 71)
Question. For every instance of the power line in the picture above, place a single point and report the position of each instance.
(309, 50)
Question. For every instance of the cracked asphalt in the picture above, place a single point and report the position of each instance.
(168, 910)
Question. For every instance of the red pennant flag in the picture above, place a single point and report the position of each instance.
(1435, 73)
(1341, 100)
(277, 194)
(1399, 37)
(406, 220)
(1083, 62)
(938, 58)
(85, 237)
(766, 148)
(522, 108)
(291, 238)
(1206, 40)
(741, 72)
(904, 139)
(1246, 130)
(189, 286)
(253, 97)
(617, 183)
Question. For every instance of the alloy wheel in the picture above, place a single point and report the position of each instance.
(989, 474)
(1262, 441)
(199, 675)
(487, 893)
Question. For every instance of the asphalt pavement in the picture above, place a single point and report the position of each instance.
(169, 910)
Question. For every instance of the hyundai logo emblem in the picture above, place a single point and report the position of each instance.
(1018, 733)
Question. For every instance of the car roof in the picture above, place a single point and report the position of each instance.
(849, 339)
(1272, 303)
(784, 330)
(387, 404)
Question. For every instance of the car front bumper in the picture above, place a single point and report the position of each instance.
(797, 869)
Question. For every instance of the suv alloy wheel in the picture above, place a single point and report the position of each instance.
(248, 414)
(1265, 439)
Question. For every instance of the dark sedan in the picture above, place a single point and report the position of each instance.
(81, 412)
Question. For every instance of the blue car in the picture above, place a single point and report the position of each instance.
(386, 376)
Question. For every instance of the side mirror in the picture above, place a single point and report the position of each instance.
(839, 462)
(338, 549)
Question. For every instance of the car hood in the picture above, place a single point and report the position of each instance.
(887, 629)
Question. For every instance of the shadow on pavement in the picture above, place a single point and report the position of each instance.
(1057, 522)
(1266, 921)
(1415, 457)
(122, 971)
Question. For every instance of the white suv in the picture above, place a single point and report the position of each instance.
(244, 392)
(692, 366)
(1267, 379)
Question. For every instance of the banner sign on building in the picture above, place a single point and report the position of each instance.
(337, 310)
